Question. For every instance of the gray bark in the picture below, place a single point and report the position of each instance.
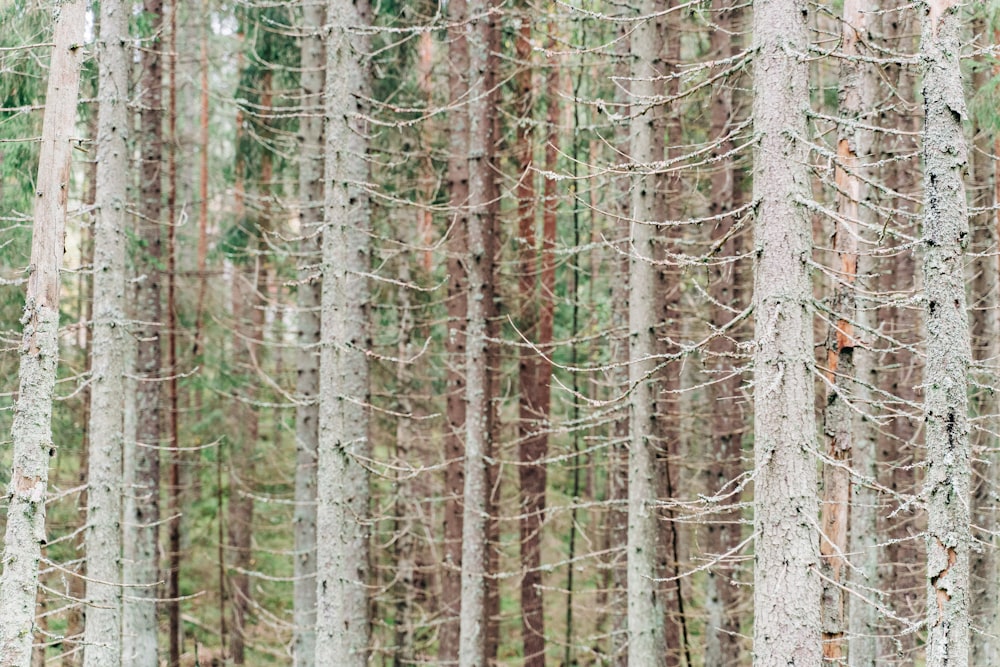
(142, 458)
(342, 522)
(786, 588)
(31, 433)
(309, 299)
(102, 631)
(945, 235)
(646, 630)
(472, 624)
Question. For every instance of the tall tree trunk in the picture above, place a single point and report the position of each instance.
(786, 586)
(843, 427)
(473, 626)
(668, 205)
(102, 632)
(309, 300)
(646, 630)
(142, 464)
(946, 231)
(985, 596)
(729, 291)
(458, 198)
(174, 629)
(342, 521)
(31, 432)
(863, 536)
(533, 442)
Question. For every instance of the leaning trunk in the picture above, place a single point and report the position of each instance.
(31, 433)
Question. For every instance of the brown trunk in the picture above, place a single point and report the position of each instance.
(491, 234)
(532, 413)
(174, 488)
(729, 291)
(900, 444)
(668, 194)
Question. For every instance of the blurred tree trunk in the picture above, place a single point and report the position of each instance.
(533, 389)
(984, 594)
(730, 292)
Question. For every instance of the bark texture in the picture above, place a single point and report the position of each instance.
(949, 356)
(142, 463)
(309, 300)
(342, 522)
(646, 630)
(102, 631)
(786, 587)
(844, 428)
(31, 433)
(458, 195)
(473, 623)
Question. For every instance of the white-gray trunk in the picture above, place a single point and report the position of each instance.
(472, 624)
(342, 517)
(103, 536)
(647, 645)
(31, 433)
(786, 586)
(309, 300)
(949, 356)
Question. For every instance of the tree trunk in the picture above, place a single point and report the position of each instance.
(786, 587)
(729, 289)
(309, 299)
(646, 629)
(985, 597)
(533, 442)
(473, 623)
(342, 523)
(31, 433)
(102, 632)
(142, 464)
(458, 195)
(946, 231)
(844, 428)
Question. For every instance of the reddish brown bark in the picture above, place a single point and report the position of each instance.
(729, 290)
